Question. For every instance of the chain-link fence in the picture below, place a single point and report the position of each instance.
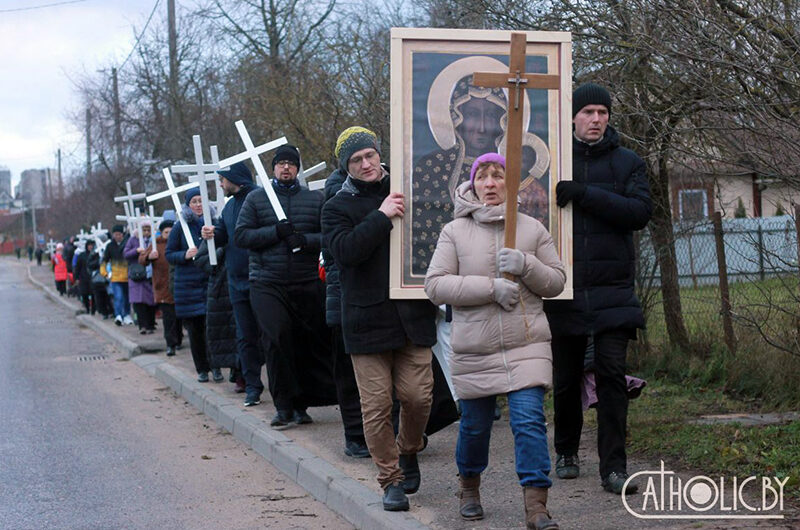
(762, 270)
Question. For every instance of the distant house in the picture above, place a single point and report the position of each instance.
(695, 196)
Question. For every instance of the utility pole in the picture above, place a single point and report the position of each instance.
(172, 104)
(117, 123)
(60, 180)
(88, 145)
(33, 218)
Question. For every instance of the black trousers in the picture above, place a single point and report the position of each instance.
(88, 302)
(612, 406)
(292, 321)
(173, 332)
(102, 301)
(251, 357)
(346, 388)
(145, 315)
(61, 286)
(196, 329)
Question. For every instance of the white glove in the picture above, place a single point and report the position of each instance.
(511, 260)
(506, 293)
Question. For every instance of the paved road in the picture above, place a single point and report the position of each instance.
(89, 442)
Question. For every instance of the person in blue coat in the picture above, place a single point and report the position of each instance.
(191, 283)
(237, 183)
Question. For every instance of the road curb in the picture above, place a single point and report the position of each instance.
(359, 505)
(353, 501)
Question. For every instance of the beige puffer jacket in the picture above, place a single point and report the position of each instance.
(494, 351)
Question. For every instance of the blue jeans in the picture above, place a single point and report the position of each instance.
(120, 293)
(526, 410)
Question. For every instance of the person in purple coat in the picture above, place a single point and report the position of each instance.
(140, 283)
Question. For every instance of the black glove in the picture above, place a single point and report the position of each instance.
(569, 191)
(296, 242)
(284, 229)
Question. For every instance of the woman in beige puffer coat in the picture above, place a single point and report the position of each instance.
(500, 335)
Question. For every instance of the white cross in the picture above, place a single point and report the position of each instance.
(51, 247)
(220, 202)
(202, 178)
(96, 232)
(128, 199)
(173, 192)
(154, 221)
(251, 152)
(129, 218)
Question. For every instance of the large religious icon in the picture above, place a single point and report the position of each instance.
(442, 121)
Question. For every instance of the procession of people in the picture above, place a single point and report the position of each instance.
(297, 281)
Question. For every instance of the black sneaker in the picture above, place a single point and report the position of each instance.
(217, 374)
(202, 377)
(394, 500)
(281, 420)
(567, 466)
(170, 351)
(615, 483)
(356, 449)
(252, 400)
(301, 417)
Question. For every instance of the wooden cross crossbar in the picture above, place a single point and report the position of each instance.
(127, 201)
(516, 80)
(51, 247)
(202, 178)
(173, 192)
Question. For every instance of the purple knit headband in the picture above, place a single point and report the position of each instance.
(495, 158)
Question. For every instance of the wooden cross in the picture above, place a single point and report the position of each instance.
(128, 201)
(202, 178)
(251, 152)
(51, 247)
(173, 192)
(516, 81)
(96, 232)
(220, 201)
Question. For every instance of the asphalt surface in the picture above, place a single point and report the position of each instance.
(576, 504)
(89, 440)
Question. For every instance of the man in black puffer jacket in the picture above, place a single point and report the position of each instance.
(286, 293)
(611, 198)
(389, 341)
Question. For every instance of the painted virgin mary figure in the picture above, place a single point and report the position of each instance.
(473, 123)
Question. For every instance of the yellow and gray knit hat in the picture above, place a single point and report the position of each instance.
(351, 140)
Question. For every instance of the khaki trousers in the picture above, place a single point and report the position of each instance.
(408, 371)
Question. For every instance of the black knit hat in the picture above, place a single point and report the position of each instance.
(286, 152)
(590, 94)
(238, 174)
(166, 223)
(118, 228)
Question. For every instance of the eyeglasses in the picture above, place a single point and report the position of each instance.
(285, 163)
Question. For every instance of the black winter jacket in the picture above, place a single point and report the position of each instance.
(236, 258)
(333, 297)
(220, 325)
(357, 235)
(616, 202)
(271, 259)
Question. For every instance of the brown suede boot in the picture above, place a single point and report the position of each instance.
(536, 514)
(469, 504)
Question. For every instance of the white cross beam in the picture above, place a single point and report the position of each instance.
(96, 232)
(51, 247)
(220, 202)
(202, 178)
(153, 222)
(173, 192)
(251, 152)
(128, 199)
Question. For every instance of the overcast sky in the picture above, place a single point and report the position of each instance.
(41, 50)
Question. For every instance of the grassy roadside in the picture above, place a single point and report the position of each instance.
(659, 429)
